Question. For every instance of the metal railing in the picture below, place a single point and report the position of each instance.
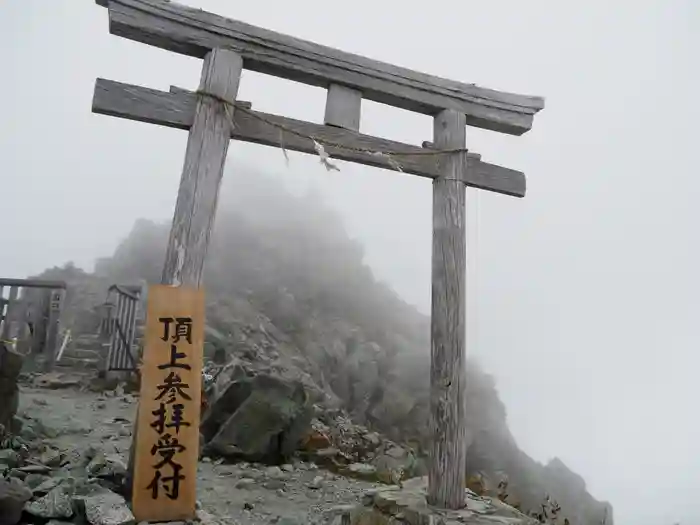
(118, 326)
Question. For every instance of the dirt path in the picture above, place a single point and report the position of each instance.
(241, 494)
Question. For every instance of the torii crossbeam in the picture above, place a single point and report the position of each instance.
(213, 116)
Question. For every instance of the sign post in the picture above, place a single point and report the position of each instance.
(167, 444)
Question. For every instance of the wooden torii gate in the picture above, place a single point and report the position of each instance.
(213, 116)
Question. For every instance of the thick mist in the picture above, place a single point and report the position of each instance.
(581, 296)
(287, 287)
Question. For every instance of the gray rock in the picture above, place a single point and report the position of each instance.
(10, 368)
(288, 521)
(35, 480)
(109, 466)
(342, 519)
(339, 515)
(396, 452)
(80, 457)
(232, 388)
(58, 502)
(205, 518)
(408, 504)
(53, 381)
(17, 425)
(10, 458)
(325, 453)
(394, 465)
(13, 495)
(35, 469)
(107, 508)
(46, 485)
(362, 471)
(274, 484)
(274, 472)
(316, 483)
(245, 483)
(373, 438)
(29, 432)
(51, 457)
(269, 417)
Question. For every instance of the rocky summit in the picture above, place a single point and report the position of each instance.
(317, 390)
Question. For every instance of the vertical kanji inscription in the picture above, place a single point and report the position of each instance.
(168, 443)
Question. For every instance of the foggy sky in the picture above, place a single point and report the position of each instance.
(582, 297)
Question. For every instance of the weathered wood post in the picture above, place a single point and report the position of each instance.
(10, 314)
(207, 145)
(447, 470)
(56, 298)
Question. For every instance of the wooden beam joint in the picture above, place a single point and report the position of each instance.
(343, 107)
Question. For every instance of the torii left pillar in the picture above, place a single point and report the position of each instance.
(197, 197)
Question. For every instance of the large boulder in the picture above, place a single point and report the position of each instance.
(260, 418)
(10, 368)
(13, 495)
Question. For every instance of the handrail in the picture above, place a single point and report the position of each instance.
(33, 283)
(66, 338)
(122, 336)
(124, 291)
(120, 311)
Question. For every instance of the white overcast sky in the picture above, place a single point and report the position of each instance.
(583, 297)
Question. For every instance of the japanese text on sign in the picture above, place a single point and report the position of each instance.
(168, 436)
(170, 414)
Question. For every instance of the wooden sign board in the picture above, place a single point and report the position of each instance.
(167, 443)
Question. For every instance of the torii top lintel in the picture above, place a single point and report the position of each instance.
(195, 32)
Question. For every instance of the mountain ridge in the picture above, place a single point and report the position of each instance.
(284, 278)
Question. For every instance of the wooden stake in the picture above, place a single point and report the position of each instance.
(447, 469)
(52, 329)
(10, 314)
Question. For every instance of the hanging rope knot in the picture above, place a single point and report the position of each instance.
(321, 144)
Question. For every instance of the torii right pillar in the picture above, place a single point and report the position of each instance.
(448, 421)
(447, 470)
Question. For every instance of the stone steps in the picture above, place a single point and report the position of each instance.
(77, 363)
(87, 343)
(80, 353)
(89, 351)
(85, 352)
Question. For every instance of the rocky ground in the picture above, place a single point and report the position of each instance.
(60, 424)
(290, 301)
(64, 463)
